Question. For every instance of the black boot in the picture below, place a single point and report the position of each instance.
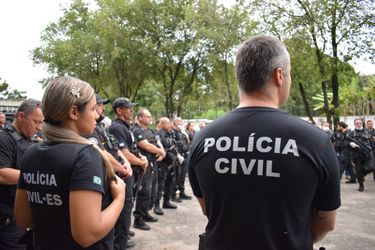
(157, 209)
(168, 204)
(140, 224)
(175, 198)
(361, 188)
(149, 218)
(183, 196)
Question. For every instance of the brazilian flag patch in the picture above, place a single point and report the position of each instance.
(97, 180)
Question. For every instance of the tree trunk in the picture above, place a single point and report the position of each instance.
(334, 77)
(305, 102)
(326, 104)
(226, 77)
(187, 86)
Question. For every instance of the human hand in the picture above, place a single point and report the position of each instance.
(160, 158)
(144, 164)
(127, 168)
(353, 145)
(118, 188)
(128, 171)
(180, 158)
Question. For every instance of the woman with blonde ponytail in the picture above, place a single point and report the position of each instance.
(68, 192)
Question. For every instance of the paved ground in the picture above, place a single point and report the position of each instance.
(355, 227)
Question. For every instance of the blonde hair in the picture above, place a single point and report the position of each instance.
(60, 95)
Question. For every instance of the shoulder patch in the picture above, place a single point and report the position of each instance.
(97, 180)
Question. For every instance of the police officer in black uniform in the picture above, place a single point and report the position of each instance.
(15, 138)
(148, 147)
(109, 143)
(183, 148)
(360, 143)
(165, 167)
(256, 195)
(370, 129)
(123, 109)
(344, 151)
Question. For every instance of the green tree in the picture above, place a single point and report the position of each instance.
(7, 93)
(340, 29)
(168, 52)
(226, 28)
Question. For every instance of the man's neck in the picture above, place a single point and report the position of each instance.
(257, 100)
(123, 119)
(143, 126)
(17, 126)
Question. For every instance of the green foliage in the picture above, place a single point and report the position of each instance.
(336, 31)
(305, 72)
(210, 114)
(358, 96)
(319, 101)
(176, 57)
(7, 93)
(3, 86)
(158, 53)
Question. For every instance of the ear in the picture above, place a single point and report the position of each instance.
(117, 112)
(278, 76)
(73, 113)
(21, 115)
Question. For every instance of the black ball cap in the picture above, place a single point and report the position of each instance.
(123, 102)
(101, 101)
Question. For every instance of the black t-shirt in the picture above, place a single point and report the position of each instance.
(182, 142)
(10, 156)
(141, 134)
(372, 134)
(49, 172)
(261, 171)
(166, 140)
(120, 130)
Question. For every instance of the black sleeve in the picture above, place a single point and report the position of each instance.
(88, 171)
(121, 135)
(191, 165)
(327, 197)
(7, 151)
(139, 134)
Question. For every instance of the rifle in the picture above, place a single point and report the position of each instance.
(138, 177)
(362, 146)
(176, 173)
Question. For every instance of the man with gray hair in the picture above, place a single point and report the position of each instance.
(264, 179)
(15, 138)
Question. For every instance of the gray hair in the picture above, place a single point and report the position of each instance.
(256, 61)
(28, 106)
(141, 112)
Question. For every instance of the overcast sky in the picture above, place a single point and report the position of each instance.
(21, 24)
